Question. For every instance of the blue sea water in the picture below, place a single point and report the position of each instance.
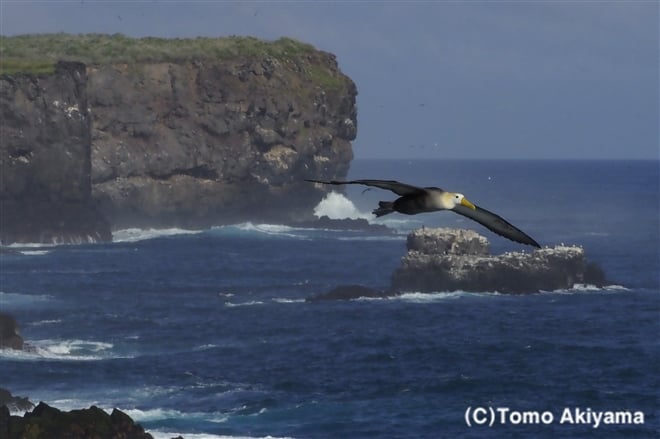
(206, 333)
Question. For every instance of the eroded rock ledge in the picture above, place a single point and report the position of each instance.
(452, 259)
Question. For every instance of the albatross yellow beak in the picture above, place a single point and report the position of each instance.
(466, 203)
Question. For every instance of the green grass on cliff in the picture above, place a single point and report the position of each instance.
(38, 53)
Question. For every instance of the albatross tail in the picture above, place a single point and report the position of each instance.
(384, 207)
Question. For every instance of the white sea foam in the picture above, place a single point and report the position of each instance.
(17, 299)
(134, 235)
(45, 322)
(337, 206)
(417, 297)
(269, 229)
(285, 300)
(34, 252)
(158, 414)
(65, 350)
(250, 303)
(158, 434)
(587, 288)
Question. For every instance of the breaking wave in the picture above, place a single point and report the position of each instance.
(134, 234)
(337, 206)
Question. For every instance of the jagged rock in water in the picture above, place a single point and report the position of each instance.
(45, 421)
(14, 403)
(453, 259)
(9, 335)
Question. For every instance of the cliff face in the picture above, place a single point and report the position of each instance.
(199, 143)
(189, 143)
(45, 187)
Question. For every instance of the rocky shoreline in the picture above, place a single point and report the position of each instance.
(47, 422)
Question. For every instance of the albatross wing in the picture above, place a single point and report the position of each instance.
(496, 224)
(390, 185)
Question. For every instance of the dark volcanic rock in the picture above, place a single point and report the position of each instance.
(9, 335)
(451, 259)
(48, 422)
(212, 142)
(14, 403)
(355, 224)
(45, 186)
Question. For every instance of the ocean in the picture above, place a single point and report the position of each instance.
(206, 333)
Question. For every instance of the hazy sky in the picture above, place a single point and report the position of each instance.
(517, 79)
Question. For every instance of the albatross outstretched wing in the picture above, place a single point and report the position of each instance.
(496, 224)
(390, 185)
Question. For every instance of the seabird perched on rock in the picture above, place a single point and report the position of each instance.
(413, 200)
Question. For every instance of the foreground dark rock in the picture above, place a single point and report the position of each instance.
(451, 259)
(9, 334)
(45, 185)
(45, 422)
(14, 403)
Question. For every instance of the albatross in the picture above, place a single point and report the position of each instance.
(413, 200)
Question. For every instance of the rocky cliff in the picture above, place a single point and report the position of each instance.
(169, 137)
(212, 142)
(45, 159)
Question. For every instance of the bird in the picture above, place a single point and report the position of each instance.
(413, 200)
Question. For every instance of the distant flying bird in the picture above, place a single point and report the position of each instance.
(414, 200)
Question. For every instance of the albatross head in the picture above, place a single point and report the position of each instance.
(454, 199)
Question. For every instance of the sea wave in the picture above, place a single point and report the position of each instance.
(159, 434)
(64, 350)
(19, 299)
(135, 234)
(588, 288)
(250, 303)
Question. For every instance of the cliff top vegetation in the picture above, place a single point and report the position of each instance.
(38, 53)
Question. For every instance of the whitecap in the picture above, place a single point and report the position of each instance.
(285, 300)
(159, 414)
(45, 322)
(160, 434)
(588, 288)
(18, 299)
(34, 252)
(134, 234)
(65, 350)
(250, 303)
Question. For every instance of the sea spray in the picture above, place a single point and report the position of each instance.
(337, 206)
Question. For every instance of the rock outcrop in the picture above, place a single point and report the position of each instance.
(14, 403)
(45, 185)
(211, 142)
(450, 259)
(48, 422)
(10, 338)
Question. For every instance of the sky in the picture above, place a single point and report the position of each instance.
(439, 79)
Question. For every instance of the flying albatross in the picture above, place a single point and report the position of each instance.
(413, 200)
